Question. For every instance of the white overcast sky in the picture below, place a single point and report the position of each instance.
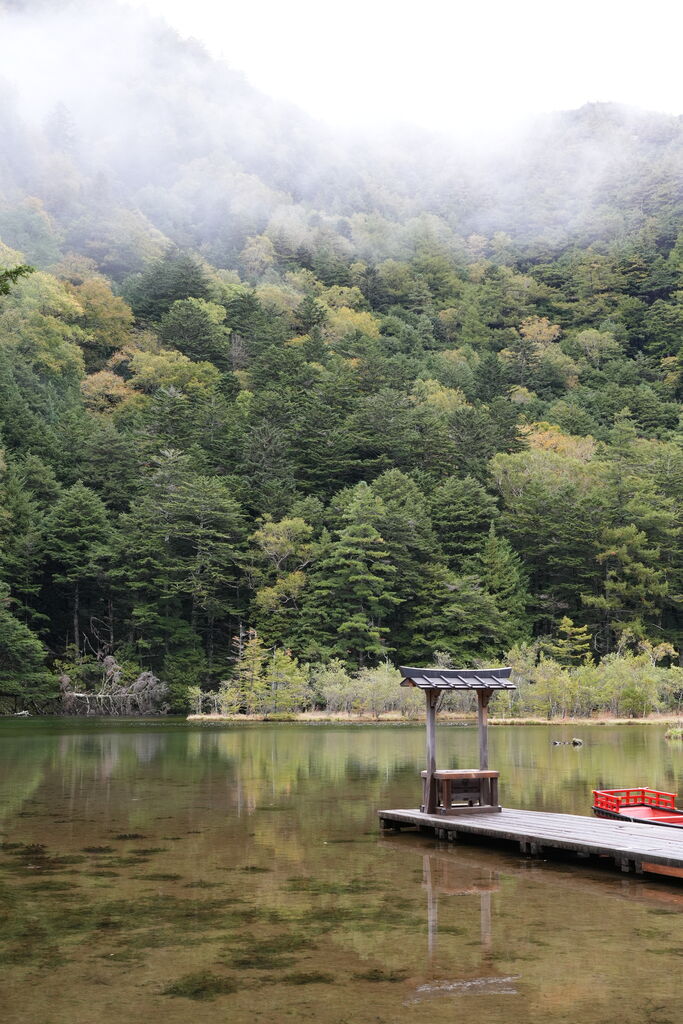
(444, 63)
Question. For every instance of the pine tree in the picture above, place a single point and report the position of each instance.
(78, 538)
(10, 277)
(309, 315)
(286, 682)
(249, 679)
(553, 513)
(21, 543)
(571, 645)
(490, 377)
(180, 556)
(502, 573)
(195, 327)
(462, 512)
(410, 543)
(453, 614)
(22, 655)
(177, 275)
(633, 589)
(351, 591)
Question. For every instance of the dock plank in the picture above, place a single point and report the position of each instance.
(626, 842)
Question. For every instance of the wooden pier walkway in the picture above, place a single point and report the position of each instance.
(654, 849)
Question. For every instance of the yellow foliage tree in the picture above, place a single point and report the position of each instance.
(104, 391)
(345, 323)
(154, 370)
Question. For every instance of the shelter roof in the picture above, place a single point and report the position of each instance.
(457, 678)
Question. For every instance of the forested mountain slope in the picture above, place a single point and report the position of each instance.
(368, 401)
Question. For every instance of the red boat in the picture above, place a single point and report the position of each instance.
(641, 804)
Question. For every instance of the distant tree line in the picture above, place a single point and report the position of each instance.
(554, 679)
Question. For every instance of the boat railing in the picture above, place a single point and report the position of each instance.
(615, 799)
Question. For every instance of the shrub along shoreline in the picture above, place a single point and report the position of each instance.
(620, 687)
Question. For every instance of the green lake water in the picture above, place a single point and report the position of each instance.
(160, 871)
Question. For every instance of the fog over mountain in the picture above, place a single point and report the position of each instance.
(104, 97)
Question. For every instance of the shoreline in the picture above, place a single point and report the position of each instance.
(445, 718)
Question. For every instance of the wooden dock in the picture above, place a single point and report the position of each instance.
(632, 847)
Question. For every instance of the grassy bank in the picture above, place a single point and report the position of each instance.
(445, 718)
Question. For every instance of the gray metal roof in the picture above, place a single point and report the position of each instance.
(457, 678)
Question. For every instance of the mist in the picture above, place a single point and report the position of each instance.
(108, 106)
(465, 70)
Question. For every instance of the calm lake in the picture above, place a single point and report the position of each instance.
(160, 871)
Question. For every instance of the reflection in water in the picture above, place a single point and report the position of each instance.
(270, 763)
(156, 870)
(442, 876)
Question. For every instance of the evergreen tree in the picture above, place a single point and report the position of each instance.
(502, 573)
(78, 538)
(309, 315)
(571, 645)
(21, 544)
(490, 377)
(177, 275)
(553, 513)
(286, 682)
(196, 328)
(22, 655)
(409, 540)
(351, 594)
(10, 277)
(462, 512)
(455, 615)
(180, 557)
(633, 586)
(249, 679)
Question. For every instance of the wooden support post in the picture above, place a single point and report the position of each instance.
(389, 826)
(483, 697)
(482, 720)
(429, 792)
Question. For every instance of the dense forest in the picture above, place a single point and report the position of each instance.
(277, 412)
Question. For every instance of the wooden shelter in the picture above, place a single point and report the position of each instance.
(472, 790)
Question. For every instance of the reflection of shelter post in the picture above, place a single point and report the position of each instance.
(429, 791)
(485, 912)
(432, 906)
(483, 698)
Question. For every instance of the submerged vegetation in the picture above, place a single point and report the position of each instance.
(272, 422)
(202, 985)
(340, 917)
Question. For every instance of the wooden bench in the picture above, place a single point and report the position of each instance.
(465, 791)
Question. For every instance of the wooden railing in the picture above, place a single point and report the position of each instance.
(615, 799)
